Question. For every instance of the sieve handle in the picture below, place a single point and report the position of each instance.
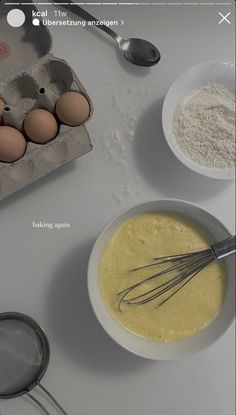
(38, 403)
(52, 398)
(224, 248)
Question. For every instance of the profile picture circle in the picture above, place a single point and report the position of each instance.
(4, 50)
(16, 18)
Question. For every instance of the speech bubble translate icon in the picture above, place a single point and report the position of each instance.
(36, 22)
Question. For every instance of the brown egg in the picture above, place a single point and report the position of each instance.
(12, 144)
(40, 126)
(72, 108)
(2, 105)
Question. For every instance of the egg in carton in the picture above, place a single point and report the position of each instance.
(31, 77)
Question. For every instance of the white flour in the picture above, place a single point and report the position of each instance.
(204, 126)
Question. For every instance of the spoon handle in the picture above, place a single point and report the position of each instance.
(89, 18)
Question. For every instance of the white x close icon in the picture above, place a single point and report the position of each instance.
(224, 18)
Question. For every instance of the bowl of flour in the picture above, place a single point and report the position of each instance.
(198, 119)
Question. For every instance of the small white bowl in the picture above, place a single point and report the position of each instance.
(134, 343)
(191, 79)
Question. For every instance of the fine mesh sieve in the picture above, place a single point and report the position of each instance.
(24, 358)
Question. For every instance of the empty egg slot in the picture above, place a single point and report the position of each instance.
(46, 99)
(21, 92)
(12, 117)
(56, 76)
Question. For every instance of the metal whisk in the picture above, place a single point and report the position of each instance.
(179, 270)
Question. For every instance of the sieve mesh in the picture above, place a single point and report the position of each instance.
(21, 356)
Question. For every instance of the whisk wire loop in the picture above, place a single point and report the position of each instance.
(184, 283)
(174, 258)
(195, 267)
(184, 267)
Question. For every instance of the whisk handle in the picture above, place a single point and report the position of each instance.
(224, 248)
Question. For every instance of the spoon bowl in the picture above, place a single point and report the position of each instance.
(139, 51)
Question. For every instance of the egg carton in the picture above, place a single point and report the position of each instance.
(37, 80)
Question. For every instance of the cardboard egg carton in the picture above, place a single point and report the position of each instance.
(38, 85)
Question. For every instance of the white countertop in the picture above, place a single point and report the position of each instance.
(43, 273)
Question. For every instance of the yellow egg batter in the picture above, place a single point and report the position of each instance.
(136, 243)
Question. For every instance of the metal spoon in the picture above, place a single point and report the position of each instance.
(137, 51)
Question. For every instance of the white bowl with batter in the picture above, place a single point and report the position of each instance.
(139, 345)
(190, 80)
